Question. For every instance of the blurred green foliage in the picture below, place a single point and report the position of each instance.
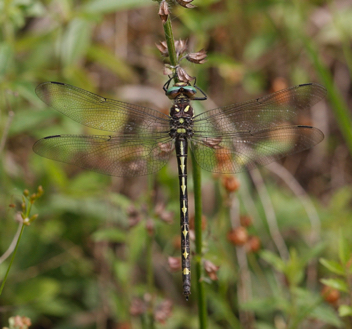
(82, 263)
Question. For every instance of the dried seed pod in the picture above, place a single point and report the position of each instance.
(162, 46)
(174, 264)
(186, 3)
(198, 57)
(163, 311)
(211, 270)
(238, 236)
(180, 47)
(163, 11)
(183, 75)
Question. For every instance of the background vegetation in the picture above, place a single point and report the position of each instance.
(82, 263)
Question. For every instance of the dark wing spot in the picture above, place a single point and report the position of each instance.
(305, 84)
(54, 136)
(57, 83)
(305, 127)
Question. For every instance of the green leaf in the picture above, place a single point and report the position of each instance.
(103, 6)
(345, 310)
(76, 40)
(110, 235)
(332, 266)
(273, 259)
(344, 250)
(109, 60)
(326, 315)
(6, 56)
(336, 283)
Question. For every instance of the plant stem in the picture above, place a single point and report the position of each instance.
(149, 251)
(202, 311)
(169, 36)
(12, 258)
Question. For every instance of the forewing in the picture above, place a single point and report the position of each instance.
(271, 111)
(110, 155)
(99, 112)
(232, 153)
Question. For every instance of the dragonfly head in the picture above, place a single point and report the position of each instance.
(181, 110)
(181, 90)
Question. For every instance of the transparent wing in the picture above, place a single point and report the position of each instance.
(234, 153)
(271, 111)
(99, 112)
(110, 155)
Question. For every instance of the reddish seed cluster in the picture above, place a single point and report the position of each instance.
(239, 236)
(330, 295)
(230, 183)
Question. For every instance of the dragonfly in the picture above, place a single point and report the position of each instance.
(223, 140)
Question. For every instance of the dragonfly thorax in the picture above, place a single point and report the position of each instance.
(181, 110)
(181, 122)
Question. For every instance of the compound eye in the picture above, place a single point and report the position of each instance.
(186, 109)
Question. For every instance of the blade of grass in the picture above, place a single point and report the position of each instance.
(198, 233)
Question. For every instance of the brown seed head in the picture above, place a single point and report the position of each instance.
(245, 220)
(253, 244)
(162, 46)
(163, 11)
(198, 57)
(186, 3)
(174, 264)
(330, 294)
(238, 236)
(230, 183)
(180, 47)
(211, 270)
(183, 75)
(163, 311)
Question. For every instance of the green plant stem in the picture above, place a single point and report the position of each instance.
(169, 36)
(149, 250)
(12, 259)
(201, 300)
